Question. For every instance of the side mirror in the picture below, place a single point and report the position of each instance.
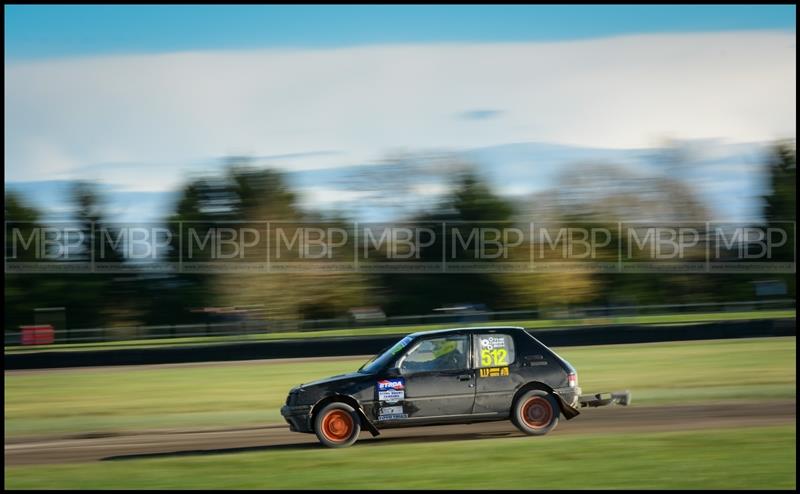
(393, 372)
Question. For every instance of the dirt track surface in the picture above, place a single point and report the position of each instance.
(175, 443)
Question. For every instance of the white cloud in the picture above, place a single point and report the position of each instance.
(519, 190)
(317, 196)
(430, 189)
(183, 108)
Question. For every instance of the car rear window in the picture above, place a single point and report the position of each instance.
(494, 350)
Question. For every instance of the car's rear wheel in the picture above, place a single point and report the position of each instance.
(337, 425)
(536, 413)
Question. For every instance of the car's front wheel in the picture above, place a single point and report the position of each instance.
(337, 425)
(535, 413)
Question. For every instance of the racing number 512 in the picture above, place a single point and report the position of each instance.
(494, 357)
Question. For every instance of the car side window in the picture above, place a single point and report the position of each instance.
(494, 350)
(436, 354)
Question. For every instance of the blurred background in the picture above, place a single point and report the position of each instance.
(567, 116)
(597, 193)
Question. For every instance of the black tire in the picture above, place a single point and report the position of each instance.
(536, 412)
(337, 425)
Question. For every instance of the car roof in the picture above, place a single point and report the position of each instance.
(471, 329)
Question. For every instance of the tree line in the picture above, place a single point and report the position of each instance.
(591, 195)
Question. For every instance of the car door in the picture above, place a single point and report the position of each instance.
(497, 373)
(437, 377)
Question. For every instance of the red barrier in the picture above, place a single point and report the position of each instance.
(37, 335)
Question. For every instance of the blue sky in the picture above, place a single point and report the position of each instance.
(42, 31)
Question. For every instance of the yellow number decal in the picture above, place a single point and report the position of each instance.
(496, 357)
(486, 358)
(500, 356)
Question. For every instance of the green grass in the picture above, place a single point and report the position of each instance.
(662, 319)
(753, 458)
(146, 398)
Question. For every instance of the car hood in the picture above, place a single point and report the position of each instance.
(350, 376)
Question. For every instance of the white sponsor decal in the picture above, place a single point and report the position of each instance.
(393, 417)
(391, 395)
(397, 410)
(492, 342)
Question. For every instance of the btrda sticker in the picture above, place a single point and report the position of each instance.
(396, 384)
(391, 390)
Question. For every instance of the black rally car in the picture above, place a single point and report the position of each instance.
(462, 375)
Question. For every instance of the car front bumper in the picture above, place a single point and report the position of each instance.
(298, 417)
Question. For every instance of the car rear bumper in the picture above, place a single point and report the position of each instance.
(569, 395)
(298, 417)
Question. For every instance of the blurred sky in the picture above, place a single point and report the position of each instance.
(141, 97)
(48, 31)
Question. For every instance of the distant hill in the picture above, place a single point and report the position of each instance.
(727, 176)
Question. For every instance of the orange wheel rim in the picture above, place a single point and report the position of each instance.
(537, 412)
(337, 425)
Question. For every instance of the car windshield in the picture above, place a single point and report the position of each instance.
(380, 360)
